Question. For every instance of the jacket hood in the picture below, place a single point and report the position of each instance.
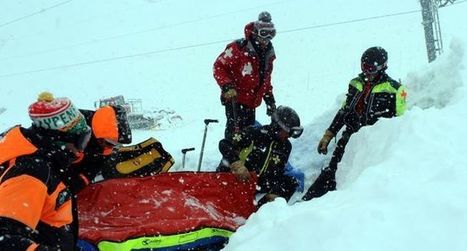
(249, 30)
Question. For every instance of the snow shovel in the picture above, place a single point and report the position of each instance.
(206, 122)
(184, 151)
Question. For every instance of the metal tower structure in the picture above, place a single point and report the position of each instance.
(431, 25)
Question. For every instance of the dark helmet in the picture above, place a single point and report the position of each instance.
(287, 119)
(374, 60)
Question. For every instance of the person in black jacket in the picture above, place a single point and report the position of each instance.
(264, 150)
(371, 95)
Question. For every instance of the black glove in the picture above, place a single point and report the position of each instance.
(47, 248)
(270, 109)
(270, 104)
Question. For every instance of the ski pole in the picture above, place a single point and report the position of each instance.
(234, 112)
(184, 150)
(206, 122)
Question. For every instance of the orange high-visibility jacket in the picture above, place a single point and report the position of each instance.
(35, 204)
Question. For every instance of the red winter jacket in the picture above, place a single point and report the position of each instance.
(239, 67)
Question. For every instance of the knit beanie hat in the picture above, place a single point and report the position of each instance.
(57, 114)
(264, 16)
(264, 27)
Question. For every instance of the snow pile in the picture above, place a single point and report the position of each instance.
(436, 86)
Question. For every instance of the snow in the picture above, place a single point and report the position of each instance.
(401, 183)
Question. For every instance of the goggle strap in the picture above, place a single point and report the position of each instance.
(296, 130)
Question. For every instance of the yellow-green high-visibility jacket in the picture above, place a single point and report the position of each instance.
(387, 98)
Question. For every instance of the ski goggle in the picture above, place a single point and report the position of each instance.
(371, 68)
(293, 132)
(267, 33)
(80, 141)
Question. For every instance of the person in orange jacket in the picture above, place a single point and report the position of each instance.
(109, 128)
(37, 197)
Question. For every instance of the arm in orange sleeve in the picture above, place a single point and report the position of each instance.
(22, 199)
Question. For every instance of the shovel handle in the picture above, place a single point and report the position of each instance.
(207, 121)
(184, 150)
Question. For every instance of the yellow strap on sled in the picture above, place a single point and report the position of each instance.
(157, 242)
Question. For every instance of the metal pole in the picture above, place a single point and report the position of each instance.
(235, 116)
(184, 151)
(431, 24)
(206, 122)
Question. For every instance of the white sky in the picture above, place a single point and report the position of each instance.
(401, 184)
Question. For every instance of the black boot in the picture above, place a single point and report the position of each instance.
(325, 182)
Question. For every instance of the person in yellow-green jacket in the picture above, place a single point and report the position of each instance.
(371, 95)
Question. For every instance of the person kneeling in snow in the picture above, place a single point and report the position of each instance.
(371, 95)
(37, 200)
(106, 158)
(264, 150)
(109, 129)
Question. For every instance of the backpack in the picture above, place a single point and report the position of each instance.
(147, 158)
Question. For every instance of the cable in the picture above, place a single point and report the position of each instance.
(198, 45)
(33, 14)
(111, 59)
(141, 31)
(350, 21)
(182, 48)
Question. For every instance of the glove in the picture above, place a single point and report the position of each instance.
(240, 171)
(270, 109)
(324, 142)
(83, 245)
(270, 104)
(45, 248)
(229, 94)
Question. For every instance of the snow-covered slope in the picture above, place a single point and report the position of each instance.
(401, 183)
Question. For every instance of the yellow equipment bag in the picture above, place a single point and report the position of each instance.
(144, 159)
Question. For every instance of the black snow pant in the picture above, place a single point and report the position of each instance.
(326, 180)
(282, 185)
(238, 118)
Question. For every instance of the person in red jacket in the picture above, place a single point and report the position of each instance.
(243, 72)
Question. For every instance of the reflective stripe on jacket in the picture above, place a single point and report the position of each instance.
(387, 99)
